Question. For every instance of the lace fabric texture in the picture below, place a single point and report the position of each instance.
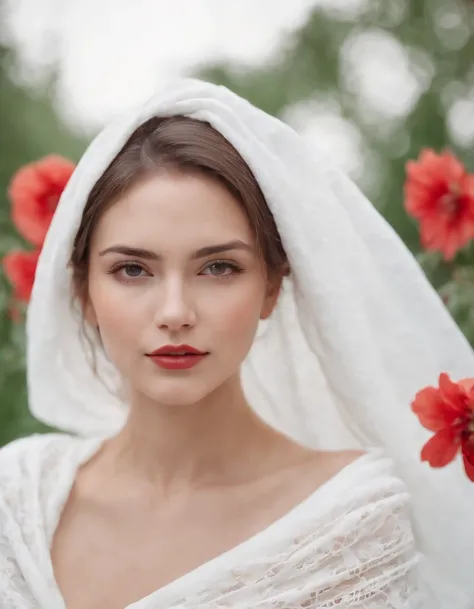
(349, 544)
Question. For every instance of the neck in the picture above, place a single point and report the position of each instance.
(203, 443)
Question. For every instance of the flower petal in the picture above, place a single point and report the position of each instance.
(439, 193)
(34, 192)
(20, 268)
(452, 393)
(441, 448)
(468, 456)
(429, 409)
(433, 411)
(469, 468)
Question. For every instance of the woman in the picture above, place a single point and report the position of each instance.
(229, 332)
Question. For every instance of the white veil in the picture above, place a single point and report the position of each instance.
(357, 331)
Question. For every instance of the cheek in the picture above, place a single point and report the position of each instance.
(236, 313)
(118, 322)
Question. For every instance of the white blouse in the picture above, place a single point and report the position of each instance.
(349, 544)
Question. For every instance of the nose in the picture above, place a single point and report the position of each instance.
(174, 311)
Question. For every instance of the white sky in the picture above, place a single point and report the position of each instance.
(114, 53)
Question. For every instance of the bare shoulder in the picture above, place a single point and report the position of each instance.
(303, 470)
(339, 459)
(318, 466)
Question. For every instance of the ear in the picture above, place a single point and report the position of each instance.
(271, 297)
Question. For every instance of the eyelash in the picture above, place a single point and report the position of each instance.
(236, 269)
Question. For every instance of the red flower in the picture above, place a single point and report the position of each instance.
(449, 412)
(20, 268)
(439, 193)
(34, 192)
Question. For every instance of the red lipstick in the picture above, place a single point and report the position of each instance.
(177, 357)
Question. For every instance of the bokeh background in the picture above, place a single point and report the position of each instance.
(372, 82)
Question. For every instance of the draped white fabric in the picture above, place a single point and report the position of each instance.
(349, 544)
(356, 333)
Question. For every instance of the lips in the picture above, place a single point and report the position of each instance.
(177, 350)
(177, 357)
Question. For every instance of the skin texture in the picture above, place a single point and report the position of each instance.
(177, 299)
(194, 472)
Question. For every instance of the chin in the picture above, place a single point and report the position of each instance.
(178, 392)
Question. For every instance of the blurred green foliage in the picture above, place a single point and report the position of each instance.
(29, 129)
(437, 38)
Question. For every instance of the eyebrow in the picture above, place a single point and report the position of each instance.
(209, 250)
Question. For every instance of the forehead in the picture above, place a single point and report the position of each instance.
(174, 209)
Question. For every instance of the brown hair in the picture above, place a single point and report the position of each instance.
(179, 144)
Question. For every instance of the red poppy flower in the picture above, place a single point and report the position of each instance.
(448, 410)
(34, 192)
(20, 268)
(439, 193)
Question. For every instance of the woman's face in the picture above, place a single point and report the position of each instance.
(174, 262)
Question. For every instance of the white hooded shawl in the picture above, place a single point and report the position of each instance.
(357, 332)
